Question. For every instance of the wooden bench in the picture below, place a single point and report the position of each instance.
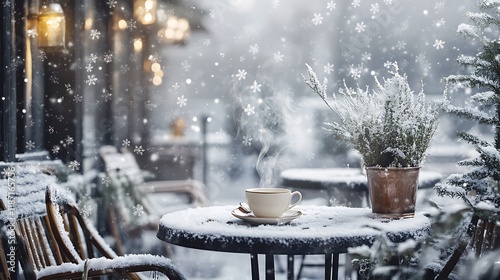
(54, 241)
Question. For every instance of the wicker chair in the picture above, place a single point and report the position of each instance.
(55, 242)
(482, 237)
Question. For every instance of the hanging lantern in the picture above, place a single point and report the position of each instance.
(145, 11)
(51, 26)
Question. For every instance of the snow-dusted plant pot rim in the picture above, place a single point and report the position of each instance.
(392, 168)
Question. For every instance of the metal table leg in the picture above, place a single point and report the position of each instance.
(335, 267)
(290, 269)
(332, 266)
(270, 267)
(328, 267)
(254, 258)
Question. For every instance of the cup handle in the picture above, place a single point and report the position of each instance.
(298, 200)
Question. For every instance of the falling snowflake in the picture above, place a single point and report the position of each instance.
(331, 5)
(51, 129)
(68, 88)
(388, 2)
(440, 22)
(317, 20)
(181, 101)
(56, 149)
(185, 65)
(91, 80)
(106, 181)
(111, 3)
(247, 141)
(220, 175)
(54, 80)
(108, 57)
(106, 95)
(93, 58)
(139, 150)
(69, 140)
(360, 27)
(78, 98)
(132, 24)
(255, 86)
(95, 34)
(74, 165)
(401, 45)
(438, 44)
(176, 86)
(30, 145)
(366, 56)
(138, 210)
(241, 74)
(328, 68)
(439, 6)
(355, 71)
(375, 8)
(154, 58)
(278, 57)
(89, 67)
(42, 56)
(126, 143)
(124, 68)
(6, 3)
(249, 110)
(8, 172)
(254, 49)
(86, 210)
(356, 3)
(149, 105)
(420, 58)
(31, 33)
(207, 42)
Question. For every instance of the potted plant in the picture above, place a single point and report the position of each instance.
(391, 128)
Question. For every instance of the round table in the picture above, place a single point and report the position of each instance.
(320, 230)
(344, 186)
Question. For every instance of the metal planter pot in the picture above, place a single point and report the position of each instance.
(393, 191)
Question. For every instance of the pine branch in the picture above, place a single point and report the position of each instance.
(472, 81)
(483, 20)
(471, 162)
(473, 114)
(472, 139)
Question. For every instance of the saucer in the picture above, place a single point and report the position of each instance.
(251, 218)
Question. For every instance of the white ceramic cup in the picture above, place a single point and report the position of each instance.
(271, 202)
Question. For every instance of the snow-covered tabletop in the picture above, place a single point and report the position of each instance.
(320, 230)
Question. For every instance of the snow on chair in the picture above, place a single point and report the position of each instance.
(141, 202)
(482, 236)
(55, 241)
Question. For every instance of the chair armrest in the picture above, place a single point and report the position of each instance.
(192, 187)
(103, 266)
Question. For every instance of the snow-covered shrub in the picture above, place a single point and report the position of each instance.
(389, 126)
(482, 183)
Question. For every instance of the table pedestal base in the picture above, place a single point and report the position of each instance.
(331, 267)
